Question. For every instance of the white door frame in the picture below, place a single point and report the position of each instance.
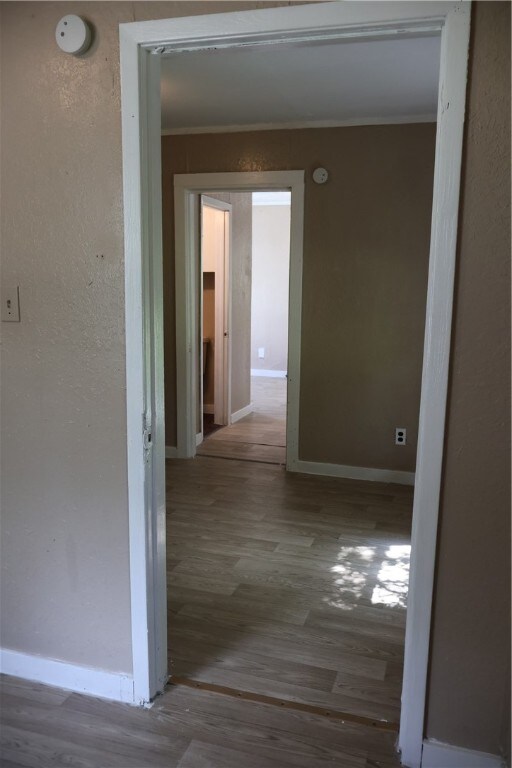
(141, 45)
(222, 341)
(187, 187)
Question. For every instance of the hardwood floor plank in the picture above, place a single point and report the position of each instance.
(199, 656)
(331, 658)
(239, 607)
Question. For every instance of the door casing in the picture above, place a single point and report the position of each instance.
(141, 45)
(187, 188)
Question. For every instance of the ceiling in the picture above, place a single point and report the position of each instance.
(301, 84)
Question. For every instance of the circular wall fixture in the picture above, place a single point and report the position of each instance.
(73, 35)
(320, 175)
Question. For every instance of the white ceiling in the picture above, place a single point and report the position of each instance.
(301, 84)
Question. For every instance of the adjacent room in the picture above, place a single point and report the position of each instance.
(288, 566)
(261, 231)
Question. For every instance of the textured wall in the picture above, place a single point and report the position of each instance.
(366, 244)
(270, 286)
(65, 578)
(470, 671)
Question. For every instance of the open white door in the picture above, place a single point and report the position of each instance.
(215, 247)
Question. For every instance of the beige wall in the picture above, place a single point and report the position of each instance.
(65, 579)
(270, 286)
(366, 244)
(470, 666)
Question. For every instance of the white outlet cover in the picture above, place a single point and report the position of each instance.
(400, 436)
(261, 353)
(73, 34)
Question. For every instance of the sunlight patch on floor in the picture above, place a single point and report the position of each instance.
(350, 580)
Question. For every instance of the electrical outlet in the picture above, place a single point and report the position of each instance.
(10, 304)
(400, 436)
(261, 353)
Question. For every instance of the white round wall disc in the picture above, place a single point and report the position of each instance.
(73, 34)
(320, 175)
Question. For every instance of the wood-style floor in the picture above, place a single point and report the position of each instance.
(260, 436)
(289, 586)
(286, 607)
(44, 727)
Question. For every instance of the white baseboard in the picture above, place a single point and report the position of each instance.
(439, 755)
(208, 408)
(237, 415)
(171, 452)
(352, 473)
(268, 373)
(72, 677)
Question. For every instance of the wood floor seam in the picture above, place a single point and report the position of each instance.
(332, 714)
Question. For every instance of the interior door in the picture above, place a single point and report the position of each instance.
(215, 228)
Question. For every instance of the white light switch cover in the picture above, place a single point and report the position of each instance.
(10, 303)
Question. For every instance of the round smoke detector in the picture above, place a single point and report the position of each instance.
(320, 175)
(73, 35)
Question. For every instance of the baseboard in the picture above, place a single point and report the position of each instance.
(72, 677)
(352, 473)
(237, 415)
(171, 452)
(199, 438)
(207, 408)
(268, 373)
(439, 755)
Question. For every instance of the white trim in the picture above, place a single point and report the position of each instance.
(72, 677)
(140, 112)
(439, 755)
(171, 452)
(268, 373)
(199, 438)
(354, 473)
(209, 408)
(434, 384)
(300, 124)
(141, 177)
(187, 187)
(237, 415)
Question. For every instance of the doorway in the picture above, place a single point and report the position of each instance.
(141, 152)
(254, 428)
(214, 303)
(188, 189)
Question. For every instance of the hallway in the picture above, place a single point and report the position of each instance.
(288, 586)
(260, 436)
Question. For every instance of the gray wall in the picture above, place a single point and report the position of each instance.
(270, 286)
(366, 245)
(470, 667)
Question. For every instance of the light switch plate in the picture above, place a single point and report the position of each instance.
(10, 303)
